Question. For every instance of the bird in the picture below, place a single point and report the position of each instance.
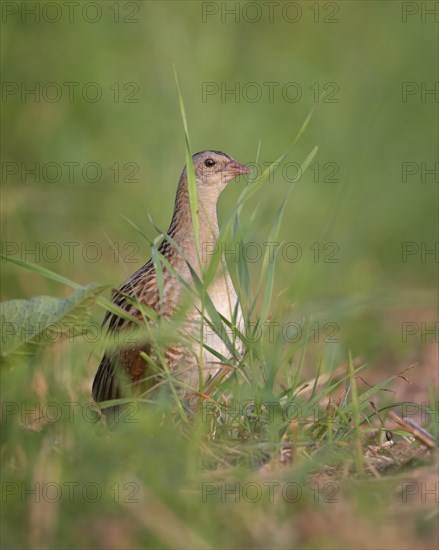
(124, 371)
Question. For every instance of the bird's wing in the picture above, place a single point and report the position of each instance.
(126, 362)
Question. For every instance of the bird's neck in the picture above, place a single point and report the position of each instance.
(181, 229)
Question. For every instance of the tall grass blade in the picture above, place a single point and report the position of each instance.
(192, 185)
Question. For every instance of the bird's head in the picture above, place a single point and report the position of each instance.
(214, 169)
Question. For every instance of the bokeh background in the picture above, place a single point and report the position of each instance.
(358, 55)
(366, 68)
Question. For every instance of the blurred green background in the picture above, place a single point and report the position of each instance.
(364, 67)
(349, 61)
(368, 132)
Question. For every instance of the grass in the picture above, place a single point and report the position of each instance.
(250, 453)
(262, 455)
(300, 446)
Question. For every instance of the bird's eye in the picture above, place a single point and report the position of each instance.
(209, 163)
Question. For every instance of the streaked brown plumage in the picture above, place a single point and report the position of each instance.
(213, 170)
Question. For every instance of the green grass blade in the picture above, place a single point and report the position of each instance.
(192, 185)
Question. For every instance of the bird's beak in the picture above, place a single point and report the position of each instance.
(237, 169)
